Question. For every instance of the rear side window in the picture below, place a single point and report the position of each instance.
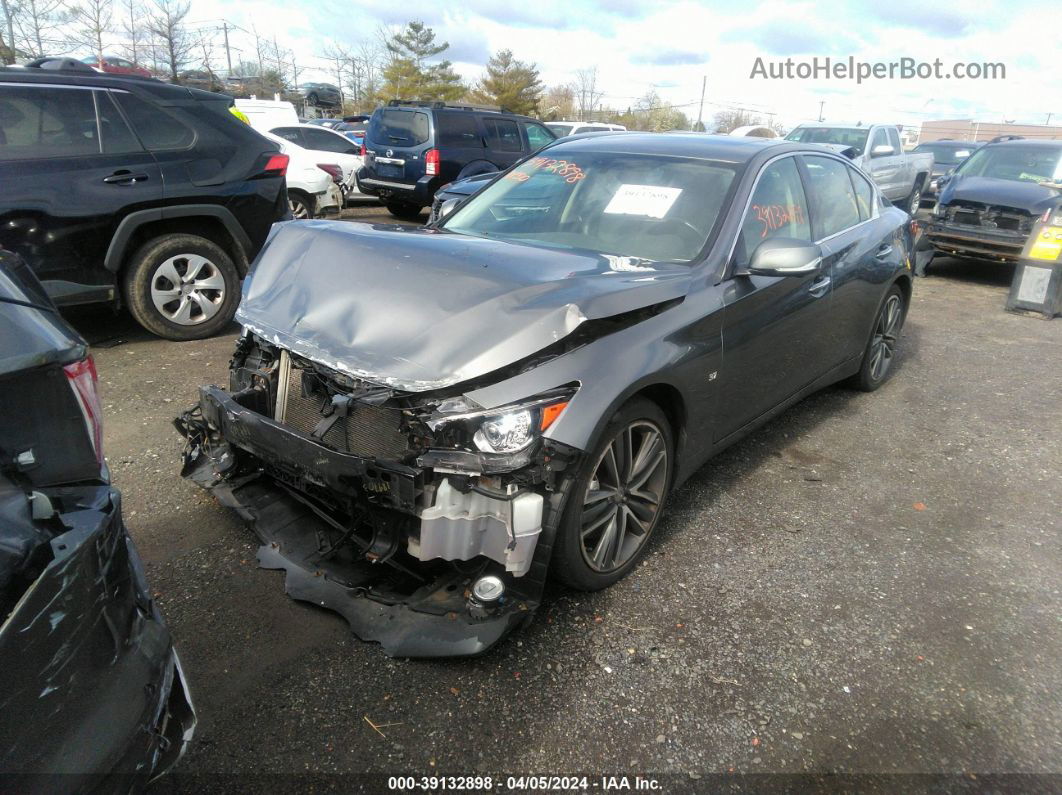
(836, 208)
(894, 139)
(293, 134)
(458, 130)
(864, 194)
(115, 135)
(778, 208)
(46, 121)
(157, 129)
(328, 142)
(503, 135)
(399, 127)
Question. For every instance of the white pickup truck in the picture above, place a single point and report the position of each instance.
(876, 149)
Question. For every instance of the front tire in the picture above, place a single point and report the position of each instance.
(181, 287)
(617, 500)
(881, 347)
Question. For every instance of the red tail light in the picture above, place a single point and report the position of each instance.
(431, 162)
(335, 171)
(276, 166)
(83, 380)
(363, 150)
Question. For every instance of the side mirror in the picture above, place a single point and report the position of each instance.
(784, 256)
(446, 208)
(882, 150)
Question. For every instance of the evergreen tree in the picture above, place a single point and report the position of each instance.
(512, 84)
(410, 76)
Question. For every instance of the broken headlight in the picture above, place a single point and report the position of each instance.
(506, 429)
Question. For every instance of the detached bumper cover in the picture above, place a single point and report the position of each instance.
(264, 470)
(92, 693)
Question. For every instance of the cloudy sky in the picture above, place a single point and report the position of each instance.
(668, 45)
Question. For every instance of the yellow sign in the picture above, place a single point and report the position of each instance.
(1048, 243)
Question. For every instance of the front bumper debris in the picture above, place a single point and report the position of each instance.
(401, 570)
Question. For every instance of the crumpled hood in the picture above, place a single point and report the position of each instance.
(1026, 196)
(419, 309)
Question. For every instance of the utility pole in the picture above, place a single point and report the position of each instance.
(700, 112)
(821, 103)
(1049, 115)
(295, 71)
(228, 54)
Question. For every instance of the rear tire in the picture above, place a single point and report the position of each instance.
(301, 205)
(625, 500)
(181, 287)
(404, 210)
(880, 352)
(913, 201)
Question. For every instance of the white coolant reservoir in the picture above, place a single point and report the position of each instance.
(461, 526)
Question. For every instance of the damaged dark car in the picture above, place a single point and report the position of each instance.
(92, 695)
(423, 424)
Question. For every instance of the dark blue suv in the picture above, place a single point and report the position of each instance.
(414, 148)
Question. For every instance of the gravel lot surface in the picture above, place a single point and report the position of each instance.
(869, 584)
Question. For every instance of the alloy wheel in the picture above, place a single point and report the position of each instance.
(299, 210)
(187, 289)
(916, 203)
(622, 500)
(883, 343)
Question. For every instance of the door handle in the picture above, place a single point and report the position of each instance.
(124, 178)
(883, 251)
(819, 287)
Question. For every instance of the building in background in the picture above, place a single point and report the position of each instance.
(970, 130)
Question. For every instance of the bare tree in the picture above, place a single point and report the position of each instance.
(340, 59)
(728, 120)
(587, 94)
(7, 48)
(37, 23)
(91, 24)
(167, 24)
(135, 30)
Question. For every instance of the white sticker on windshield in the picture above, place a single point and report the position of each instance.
(648, 200)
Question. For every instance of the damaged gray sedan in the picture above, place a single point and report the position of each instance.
(422, 424)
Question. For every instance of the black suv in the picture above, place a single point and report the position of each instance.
(135, 192)
(413, 148)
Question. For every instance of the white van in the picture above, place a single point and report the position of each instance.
(564, 128)
(267, 114)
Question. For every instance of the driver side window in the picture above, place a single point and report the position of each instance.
(778, 209)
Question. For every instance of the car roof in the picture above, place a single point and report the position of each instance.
(698, 145)
(94, 79)
(1028, 143)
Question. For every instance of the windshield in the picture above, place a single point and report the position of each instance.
(946, 154)
(641, 206)
(1015, 163)
(844, 136)
(560, 130)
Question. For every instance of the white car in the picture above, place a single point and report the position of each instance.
(565, 128)
(312, 191)
(327, 143)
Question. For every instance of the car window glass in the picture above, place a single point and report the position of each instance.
(778, 208)
(503, 135)
(395, 127)
(894, 139)
(156, 128)
(864, 194)
(326, 141)
(835, 205)
(458, 130)
(537, 135)
(115, 134)
(293, 134)
(39, 121)
(880, 139)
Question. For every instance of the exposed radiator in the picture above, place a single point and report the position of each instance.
(370, 431)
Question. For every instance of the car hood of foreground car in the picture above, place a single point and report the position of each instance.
(416, 309)
(1028, 196)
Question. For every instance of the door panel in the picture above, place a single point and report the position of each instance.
(60, 211)
(773, 341)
